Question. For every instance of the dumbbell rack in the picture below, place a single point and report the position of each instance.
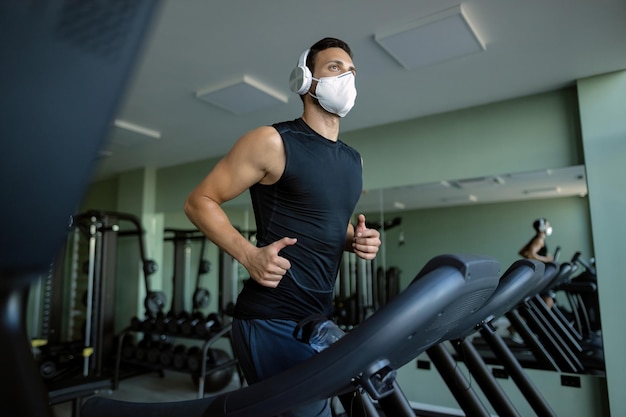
(214, 336)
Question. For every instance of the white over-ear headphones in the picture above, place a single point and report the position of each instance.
(301, 77)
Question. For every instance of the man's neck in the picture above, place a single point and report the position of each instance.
(322, 122)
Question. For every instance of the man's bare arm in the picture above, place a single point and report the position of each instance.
(256, 157)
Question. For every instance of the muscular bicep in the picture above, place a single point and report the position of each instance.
(230, 177)
(255, 157)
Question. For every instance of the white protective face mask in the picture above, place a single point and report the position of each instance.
(336, 94)
(548, 231)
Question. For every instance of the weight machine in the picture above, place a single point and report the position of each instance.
(77, 342)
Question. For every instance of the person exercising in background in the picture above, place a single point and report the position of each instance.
(536, 249)
(304, 184)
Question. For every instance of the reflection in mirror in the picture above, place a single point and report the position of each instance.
(493, 215)
(527, 185)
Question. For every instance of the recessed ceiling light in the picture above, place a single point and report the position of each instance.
(243, 95)
(432, 39)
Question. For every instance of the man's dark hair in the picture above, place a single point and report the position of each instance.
(540, 224)
(325, 44)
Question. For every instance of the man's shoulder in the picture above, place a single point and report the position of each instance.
(289, 125)
(263, 133)
(258, 142)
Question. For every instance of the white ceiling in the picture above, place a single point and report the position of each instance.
(532, 46)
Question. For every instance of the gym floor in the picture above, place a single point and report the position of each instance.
(173, 386)
(150, 387)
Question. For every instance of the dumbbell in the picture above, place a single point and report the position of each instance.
(150, 267)
(187, 327)
(176, 321)
(179, 357)
(204, 327)
(154, 302)
(148, 325)
(194, 359)
(166, 357)
(48, 369)
(162, 323)
(141, 352)
(201, 298)
(154, 352)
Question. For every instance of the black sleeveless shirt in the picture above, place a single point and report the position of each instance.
(313, 202)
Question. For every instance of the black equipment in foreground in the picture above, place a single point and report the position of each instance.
(523, 279)
(448, 289)
(64, 68)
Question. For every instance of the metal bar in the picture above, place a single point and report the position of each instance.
(358, 404)
(548, 339)
(456, 382)
(205, 349)
(517, 373)
(90, 292)
(531, 340)
(565, 336)
(487, 382)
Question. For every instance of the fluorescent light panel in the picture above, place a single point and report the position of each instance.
(543, 191)
(242, 96)
(131, 127)
(433, 39)
(470, 198)
(437, 185)
(531, 175)
(131, 134)
(478, 182)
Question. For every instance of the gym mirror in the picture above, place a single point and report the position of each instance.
(493, 215)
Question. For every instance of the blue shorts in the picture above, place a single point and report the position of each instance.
(267, 347)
